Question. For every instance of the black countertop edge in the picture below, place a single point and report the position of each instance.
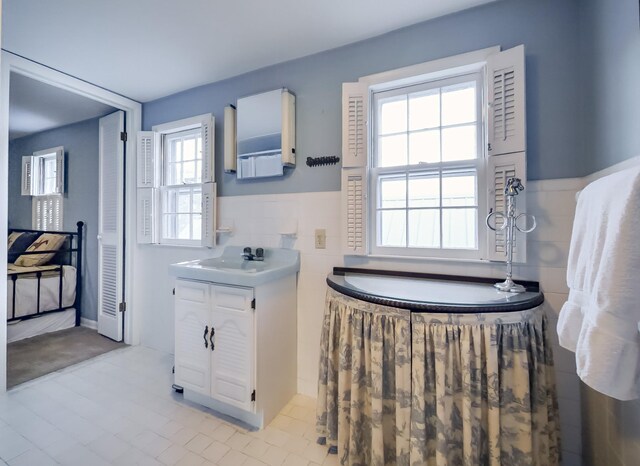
(529, 285)
(415, 306)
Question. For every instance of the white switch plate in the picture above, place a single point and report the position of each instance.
(321, 238)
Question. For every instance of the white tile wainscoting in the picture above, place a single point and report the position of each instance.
(258, 221)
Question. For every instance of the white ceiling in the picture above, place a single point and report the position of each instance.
(35, 106)
(146, 49)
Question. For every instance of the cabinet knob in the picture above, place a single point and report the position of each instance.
(213, 334)
(206, 331)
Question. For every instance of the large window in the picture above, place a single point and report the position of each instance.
(181, 190)
(425, 168)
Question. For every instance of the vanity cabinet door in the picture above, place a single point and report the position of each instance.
(232, 363)
(192, 327)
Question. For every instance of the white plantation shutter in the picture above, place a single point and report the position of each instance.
(27, 175)
(354, 218)
(59, 170)
(146, 171)
(147, 199)
(209, 215)
(355, 104)
(507, 110)
(507, 142)
(208, 165)
(47, 212)
(500, 169)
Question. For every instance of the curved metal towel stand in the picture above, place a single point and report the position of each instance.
(510, 223)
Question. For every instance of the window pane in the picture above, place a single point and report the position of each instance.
(175, 151)
(184, 201)
(196, 205)
(424, 110)
(459, 228)
(183, 226)
(424, 191)
(459, 104)
(392, 151)
(459, 190)
(197, 226)
(189, 149)
(459, 143)
(392, 228)
(189, 173)
(393, 115)
(424, 147)
(168, 226)
(393, 193)
(424, 228)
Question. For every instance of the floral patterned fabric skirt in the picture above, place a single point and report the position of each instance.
(402, 388)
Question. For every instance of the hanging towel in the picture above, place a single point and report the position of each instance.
(600, 320)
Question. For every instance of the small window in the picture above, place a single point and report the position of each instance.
(43, 172)
(176, 185)
(181, 190)
(425, 167)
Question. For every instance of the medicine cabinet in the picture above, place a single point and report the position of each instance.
(265, 142)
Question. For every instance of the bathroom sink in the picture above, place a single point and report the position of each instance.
(232, 269)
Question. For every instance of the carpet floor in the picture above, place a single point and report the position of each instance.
(40, 355)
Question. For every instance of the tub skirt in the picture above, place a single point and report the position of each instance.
(402, 388)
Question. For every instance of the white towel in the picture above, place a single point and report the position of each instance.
(600, 320)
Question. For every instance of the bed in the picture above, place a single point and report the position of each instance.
(45, 297)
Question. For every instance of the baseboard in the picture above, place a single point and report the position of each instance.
(92, 324)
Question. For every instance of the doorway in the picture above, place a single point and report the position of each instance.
(129, 118)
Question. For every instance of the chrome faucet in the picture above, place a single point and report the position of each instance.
(249, 256)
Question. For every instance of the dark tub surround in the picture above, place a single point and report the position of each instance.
(432, 293)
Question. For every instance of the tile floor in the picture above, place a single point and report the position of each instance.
(119, 409)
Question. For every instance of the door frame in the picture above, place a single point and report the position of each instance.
(13, 63)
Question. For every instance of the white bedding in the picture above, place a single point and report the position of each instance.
(20, 329)
(27, 286)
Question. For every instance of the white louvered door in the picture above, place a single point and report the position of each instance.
(232, 351)
(110, 226)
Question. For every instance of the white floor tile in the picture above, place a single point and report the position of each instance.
(119, 409)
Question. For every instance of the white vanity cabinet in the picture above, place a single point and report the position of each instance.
(235, 346)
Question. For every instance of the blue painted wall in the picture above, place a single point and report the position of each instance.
(548, 28)
(80, 141)
(610, 58)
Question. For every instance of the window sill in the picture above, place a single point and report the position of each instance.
(426, 259)
(176, 245)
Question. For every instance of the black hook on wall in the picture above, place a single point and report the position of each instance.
(325, 160)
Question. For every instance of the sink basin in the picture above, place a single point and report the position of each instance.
(232, 269)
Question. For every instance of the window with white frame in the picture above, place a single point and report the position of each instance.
(43, 179)
(181, 188)
(426, 152)
(425, 165)
(176, 192)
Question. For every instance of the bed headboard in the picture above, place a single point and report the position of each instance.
(70, 253)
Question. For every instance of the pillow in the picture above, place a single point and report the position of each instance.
(19, 242)
(46, 242)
